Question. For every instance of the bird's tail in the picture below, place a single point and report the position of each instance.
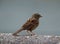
(18, 31)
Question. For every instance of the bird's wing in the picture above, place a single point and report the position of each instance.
(33, 25)
(26, 24)
(29, 23)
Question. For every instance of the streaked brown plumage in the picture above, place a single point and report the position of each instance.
(31, 24)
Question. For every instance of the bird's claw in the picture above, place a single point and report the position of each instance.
(32, 34)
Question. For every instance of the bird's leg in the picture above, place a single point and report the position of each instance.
(30, 32)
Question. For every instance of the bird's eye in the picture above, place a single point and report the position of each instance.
(32, 21)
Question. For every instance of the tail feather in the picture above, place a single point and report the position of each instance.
(18, 31)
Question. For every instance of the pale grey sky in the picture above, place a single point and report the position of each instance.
(13, 13)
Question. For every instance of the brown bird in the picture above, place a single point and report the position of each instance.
(30, 25)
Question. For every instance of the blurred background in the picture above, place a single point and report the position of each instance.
(14, 13)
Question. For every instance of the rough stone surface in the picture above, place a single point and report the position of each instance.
(7, 38)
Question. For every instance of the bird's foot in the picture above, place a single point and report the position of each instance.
(33, 34)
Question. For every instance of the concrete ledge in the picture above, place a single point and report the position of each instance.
(7, 38)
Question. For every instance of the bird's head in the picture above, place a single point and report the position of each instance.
(36, 15)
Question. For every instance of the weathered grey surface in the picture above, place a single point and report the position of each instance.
(7, 38)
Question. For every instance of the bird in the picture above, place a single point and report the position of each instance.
(30, 25)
